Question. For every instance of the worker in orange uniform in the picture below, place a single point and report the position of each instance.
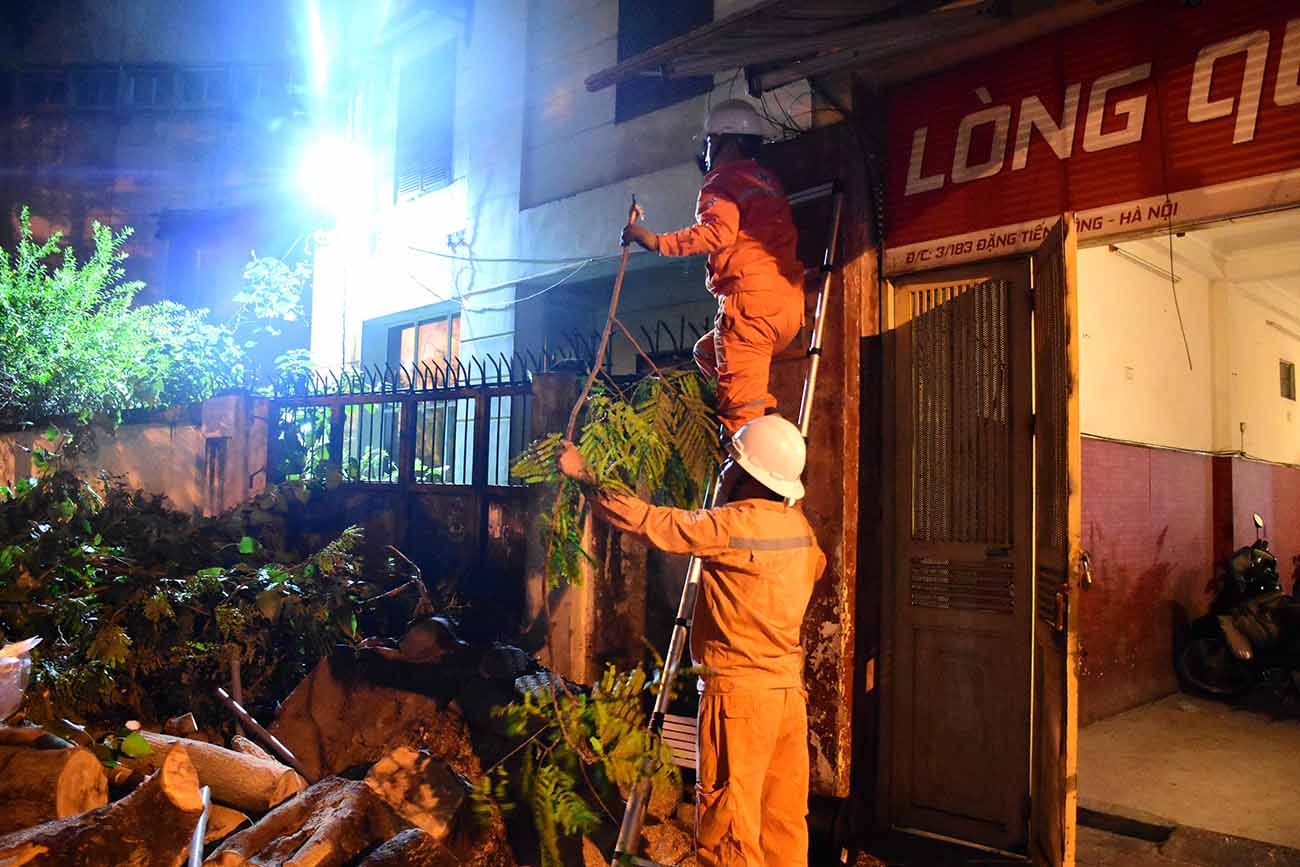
(760, 561)
(743, 223)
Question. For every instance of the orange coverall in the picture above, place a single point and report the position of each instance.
(743, 221)
(760, 563)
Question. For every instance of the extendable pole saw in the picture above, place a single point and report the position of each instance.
(629, 833)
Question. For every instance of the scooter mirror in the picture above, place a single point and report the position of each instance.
(1259, 522)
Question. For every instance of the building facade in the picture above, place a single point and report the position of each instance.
(500, 183)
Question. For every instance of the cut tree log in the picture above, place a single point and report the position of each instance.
(421, 788)
(150, 827)
(222, 822)
(241, 744)
(39, 785)
(329, 824)
(237, 780)
(413, 847)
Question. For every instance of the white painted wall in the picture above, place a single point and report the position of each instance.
(367, 269)
(1135, 381)
(1265, 330)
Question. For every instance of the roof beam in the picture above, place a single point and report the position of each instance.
(878, 38)
(657, 58)
(885, 40)
(907, 67)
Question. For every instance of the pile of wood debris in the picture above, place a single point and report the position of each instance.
(380, 735)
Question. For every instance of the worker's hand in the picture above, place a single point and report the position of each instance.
(641, 235)
(571, 463)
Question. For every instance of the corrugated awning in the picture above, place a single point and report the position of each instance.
(780, 41)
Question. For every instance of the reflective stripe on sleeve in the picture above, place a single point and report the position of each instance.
(787, 543)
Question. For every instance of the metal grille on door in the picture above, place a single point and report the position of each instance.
(961, 484)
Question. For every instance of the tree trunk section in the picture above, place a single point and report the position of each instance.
(39, 785)
(151, 827)
(328, 825)
(241, 744)
(237, 780)
(413, 847)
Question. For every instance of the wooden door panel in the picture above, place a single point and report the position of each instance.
(965, 728)
(963, 555)
(1058, 529)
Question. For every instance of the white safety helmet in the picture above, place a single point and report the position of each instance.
(735, 117)
(772, 451)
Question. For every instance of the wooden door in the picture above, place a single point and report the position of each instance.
(959, 626)
(1058, 530)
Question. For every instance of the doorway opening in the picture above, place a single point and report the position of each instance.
(1190, 426)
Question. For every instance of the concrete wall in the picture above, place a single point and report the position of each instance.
(204, 458)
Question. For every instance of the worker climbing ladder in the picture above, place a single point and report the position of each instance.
(682, 729)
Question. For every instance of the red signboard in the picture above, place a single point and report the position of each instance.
(1162, 114)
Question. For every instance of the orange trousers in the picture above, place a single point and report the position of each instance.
(750, 328)
(751, 801)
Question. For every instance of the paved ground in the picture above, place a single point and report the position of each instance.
(1196, 763)
(1185, 847)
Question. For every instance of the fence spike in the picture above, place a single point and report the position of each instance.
(482, 371)
(496, 368)
(663, 326)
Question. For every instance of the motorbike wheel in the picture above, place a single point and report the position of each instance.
(1207, 665)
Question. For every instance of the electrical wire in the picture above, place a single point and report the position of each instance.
(568, 260)
(505, 305)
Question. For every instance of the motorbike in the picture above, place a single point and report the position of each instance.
(1251, 635)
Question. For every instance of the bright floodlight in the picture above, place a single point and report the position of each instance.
(335, 174)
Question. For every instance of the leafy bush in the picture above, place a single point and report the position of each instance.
(72, 343)
(143, 608)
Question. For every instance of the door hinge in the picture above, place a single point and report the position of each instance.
(1033, 423)
(1033, 299)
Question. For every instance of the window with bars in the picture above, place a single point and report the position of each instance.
(150, 87)
(96, 86)
(426, 97)
(642, 26)
(201, 88)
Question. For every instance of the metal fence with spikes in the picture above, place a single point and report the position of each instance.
(451, 425)
(434, 426)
